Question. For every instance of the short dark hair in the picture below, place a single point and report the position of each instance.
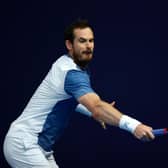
(69, 31)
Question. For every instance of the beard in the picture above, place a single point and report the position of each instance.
(83, 59)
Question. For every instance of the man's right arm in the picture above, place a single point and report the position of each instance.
(103, 111)
(77, 84)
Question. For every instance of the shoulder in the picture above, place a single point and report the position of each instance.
(65, 63)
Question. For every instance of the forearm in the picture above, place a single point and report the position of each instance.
(110, 115)
(104, 113)
(107, 113)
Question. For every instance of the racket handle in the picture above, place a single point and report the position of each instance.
(159, 132)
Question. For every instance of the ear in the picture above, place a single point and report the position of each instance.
(68, 45)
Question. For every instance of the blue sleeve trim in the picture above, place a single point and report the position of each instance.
(77, 83)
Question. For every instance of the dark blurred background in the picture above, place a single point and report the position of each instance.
(129, 66)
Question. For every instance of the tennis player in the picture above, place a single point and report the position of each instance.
(65, 89)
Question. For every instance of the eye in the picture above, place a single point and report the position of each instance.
(81, 40)
(91, 40)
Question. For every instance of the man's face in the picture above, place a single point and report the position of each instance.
(82, 46)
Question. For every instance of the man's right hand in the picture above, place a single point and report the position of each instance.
(144, 132)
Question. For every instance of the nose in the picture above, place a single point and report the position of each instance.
(88, 44)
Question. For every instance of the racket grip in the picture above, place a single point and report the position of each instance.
(159, 132)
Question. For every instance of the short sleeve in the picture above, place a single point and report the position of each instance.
(77, 83)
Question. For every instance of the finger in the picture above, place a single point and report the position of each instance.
(147, 136)
(150, 135)
(113, 103)
(103, 125)
(144, 137)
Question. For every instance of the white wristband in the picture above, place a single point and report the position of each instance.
(83, 110)
(129, 124)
